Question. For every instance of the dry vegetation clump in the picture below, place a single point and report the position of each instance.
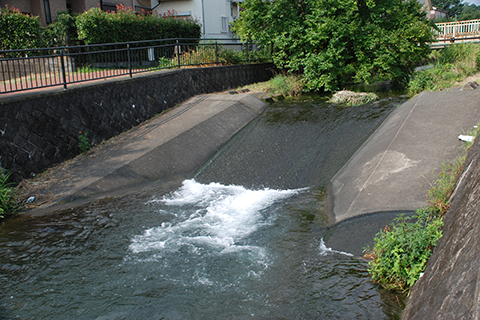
(351, 98)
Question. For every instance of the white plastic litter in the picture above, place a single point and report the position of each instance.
(466, 138)
(31, 199)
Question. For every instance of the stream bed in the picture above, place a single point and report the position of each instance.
(247, 237)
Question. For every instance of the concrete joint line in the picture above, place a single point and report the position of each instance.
(384, 153)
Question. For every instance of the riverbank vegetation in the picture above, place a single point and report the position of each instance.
(8, 203)
(281, 84)
(320, 39)
(402, 249)
(446, 67)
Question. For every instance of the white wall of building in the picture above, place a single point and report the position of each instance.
(214, 15)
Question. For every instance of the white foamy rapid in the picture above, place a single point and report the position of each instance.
(209, 217)
(324, 250)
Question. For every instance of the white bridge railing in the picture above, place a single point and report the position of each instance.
(458, 31)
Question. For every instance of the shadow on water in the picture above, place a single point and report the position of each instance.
(248, 238)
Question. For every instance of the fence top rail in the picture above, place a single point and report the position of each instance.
(455, 23)
(117, 44)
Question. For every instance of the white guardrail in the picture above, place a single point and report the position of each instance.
(458, 31)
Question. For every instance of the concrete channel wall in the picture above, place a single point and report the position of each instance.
(450, 286)
(39, 130)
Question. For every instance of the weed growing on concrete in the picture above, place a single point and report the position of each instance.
(84, 144)
(8, 204)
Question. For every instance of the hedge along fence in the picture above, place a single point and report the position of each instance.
(96, 26)
(20, 31)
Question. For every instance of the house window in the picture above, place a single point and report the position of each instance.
(48, 15)
(224, 25)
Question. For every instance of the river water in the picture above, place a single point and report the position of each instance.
(247, 237)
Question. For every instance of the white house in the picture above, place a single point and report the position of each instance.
(433, 13)
(214, 15)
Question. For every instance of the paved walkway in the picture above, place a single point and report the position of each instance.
(397, 165)
(162, 151)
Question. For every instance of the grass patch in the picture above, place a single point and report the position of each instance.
(281, 84)
(448, 66)
(8, 203)
(402, 250)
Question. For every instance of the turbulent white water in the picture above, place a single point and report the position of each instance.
(213, 217)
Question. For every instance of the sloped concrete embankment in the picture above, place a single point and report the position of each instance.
(396, 166)
(450, 286)
(159, 153)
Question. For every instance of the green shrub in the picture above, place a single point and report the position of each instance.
(8, 203)
(231, 57)
(17, 30)
(402, 250)
(96, 26)
(60, 33)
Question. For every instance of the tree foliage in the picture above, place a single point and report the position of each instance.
(469, 12)
(452, 7)
(332, 42)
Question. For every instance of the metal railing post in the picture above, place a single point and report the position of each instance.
(178, 54)
(216, 52)
(64, 75)
(248, 48)
(129, 60)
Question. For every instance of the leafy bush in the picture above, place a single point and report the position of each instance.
(321, 39)
(17, 30)
(402, 250)
(60, 33)
(96, 26)
(8, 204)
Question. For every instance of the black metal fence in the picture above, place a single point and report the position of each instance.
(47, 67)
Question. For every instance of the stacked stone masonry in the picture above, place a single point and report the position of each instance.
(41, 130)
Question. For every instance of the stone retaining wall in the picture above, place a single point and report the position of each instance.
(450, 286)
(41, 130)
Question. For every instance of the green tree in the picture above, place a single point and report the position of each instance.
(453, 7)
(332, 42)
(469, 12)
